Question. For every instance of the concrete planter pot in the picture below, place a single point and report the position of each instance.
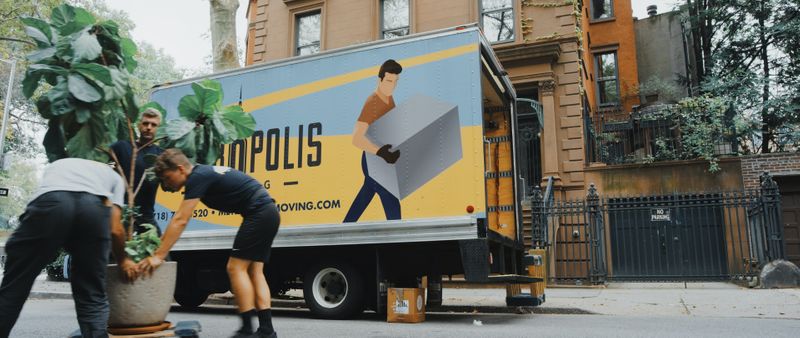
(144, 302)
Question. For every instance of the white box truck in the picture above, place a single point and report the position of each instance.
(354, 224)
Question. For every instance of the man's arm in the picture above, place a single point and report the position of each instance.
(118, 237)
(174, 230)
(360, 139)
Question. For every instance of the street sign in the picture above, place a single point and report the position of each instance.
(659, 215)
(3, 191)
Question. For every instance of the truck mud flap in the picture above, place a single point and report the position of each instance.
(475, 259)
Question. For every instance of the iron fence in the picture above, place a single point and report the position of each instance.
(678, 237)
(649, 134)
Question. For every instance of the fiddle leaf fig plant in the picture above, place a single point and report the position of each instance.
(84, 68)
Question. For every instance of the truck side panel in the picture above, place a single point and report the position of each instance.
(306, 110)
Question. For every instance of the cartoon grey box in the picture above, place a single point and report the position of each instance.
(427, 133)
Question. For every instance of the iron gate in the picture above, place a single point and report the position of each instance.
(680, 237)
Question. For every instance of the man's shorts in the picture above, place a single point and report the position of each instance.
(254, 239)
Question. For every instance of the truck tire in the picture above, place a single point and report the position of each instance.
(334, 290)
(191, 299)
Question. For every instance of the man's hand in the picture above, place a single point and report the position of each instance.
(388, 156)
(148, 265)
(129, 270)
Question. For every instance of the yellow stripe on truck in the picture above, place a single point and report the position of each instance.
(282, 95)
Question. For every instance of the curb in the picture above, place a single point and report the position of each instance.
(49, 295)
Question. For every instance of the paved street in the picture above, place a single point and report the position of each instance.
(55, 317)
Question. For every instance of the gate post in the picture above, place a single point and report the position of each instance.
(597, 257)
(538, 223)
(771, 199)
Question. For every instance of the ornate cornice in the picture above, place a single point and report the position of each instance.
(538, 53)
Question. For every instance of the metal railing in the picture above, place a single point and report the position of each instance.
(678, 237)
(649, 134)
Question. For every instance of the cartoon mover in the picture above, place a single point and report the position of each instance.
(424, 130)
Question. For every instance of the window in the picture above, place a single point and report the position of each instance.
(497, 20)
(394, 18)
(606, 74)
(307, 33)
(602, 9)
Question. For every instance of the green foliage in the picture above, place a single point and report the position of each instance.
(205, 124)
(87, 64)
(22, 180)
(144, 244)
(703, 127)
(55, 270)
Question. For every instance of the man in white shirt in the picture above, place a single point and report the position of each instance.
(78, 208)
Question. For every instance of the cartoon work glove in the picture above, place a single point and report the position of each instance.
(388, 156)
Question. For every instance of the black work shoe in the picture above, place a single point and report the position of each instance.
(261, 334)
(243, 334)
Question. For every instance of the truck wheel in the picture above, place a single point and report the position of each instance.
(191, 299)
(334, 290)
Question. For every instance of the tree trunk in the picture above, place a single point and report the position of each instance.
(223, 34)
(767, 119)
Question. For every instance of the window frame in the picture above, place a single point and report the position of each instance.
(598, 78)
(511, 8)
(383, 30)
(612, 15)
(297, 18)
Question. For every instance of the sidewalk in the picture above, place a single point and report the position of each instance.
(618, 299)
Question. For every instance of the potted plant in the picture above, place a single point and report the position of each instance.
(81, 69)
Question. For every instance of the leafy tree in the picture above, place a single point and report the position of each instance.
(22, 180)
(747, 52)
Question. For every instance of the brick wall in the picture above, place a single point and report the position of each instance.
(779, 163)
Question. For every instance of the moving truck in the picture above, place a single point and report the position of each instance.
(438, 197)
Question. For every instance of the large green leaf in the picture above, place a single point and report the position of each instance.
(59, 99)
(244, 124)
(178, 128)
(94, 71)
(209, 98)
(62, 15)
(82, 90)
(82, 113)
(224, 131)
(110, 27)
(39, 31)
(35, 73)
(80, 20)
(86, 46)
(41, 54)
(211, 147)
(187, 144)
(64, 49)
(119, 84)
(54, 141)
(128, 48)
(189, 107)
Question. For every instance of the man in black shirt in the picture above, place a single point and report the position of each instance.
(232, 191)
(123, 150)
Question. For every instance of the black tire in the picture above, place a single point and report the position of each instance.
(334, 290)
(187, 291)
(191, 300)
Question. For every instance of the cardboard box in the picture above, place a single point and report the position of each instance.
(427, 132)
(405, 305)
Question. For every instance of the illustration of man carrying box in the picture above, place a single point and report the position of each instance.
(378, 104)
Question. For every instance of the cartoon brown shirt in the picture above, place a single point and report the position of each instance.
(374, 108)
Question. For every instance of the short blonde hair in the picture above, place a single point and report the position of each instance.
(151, 112)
